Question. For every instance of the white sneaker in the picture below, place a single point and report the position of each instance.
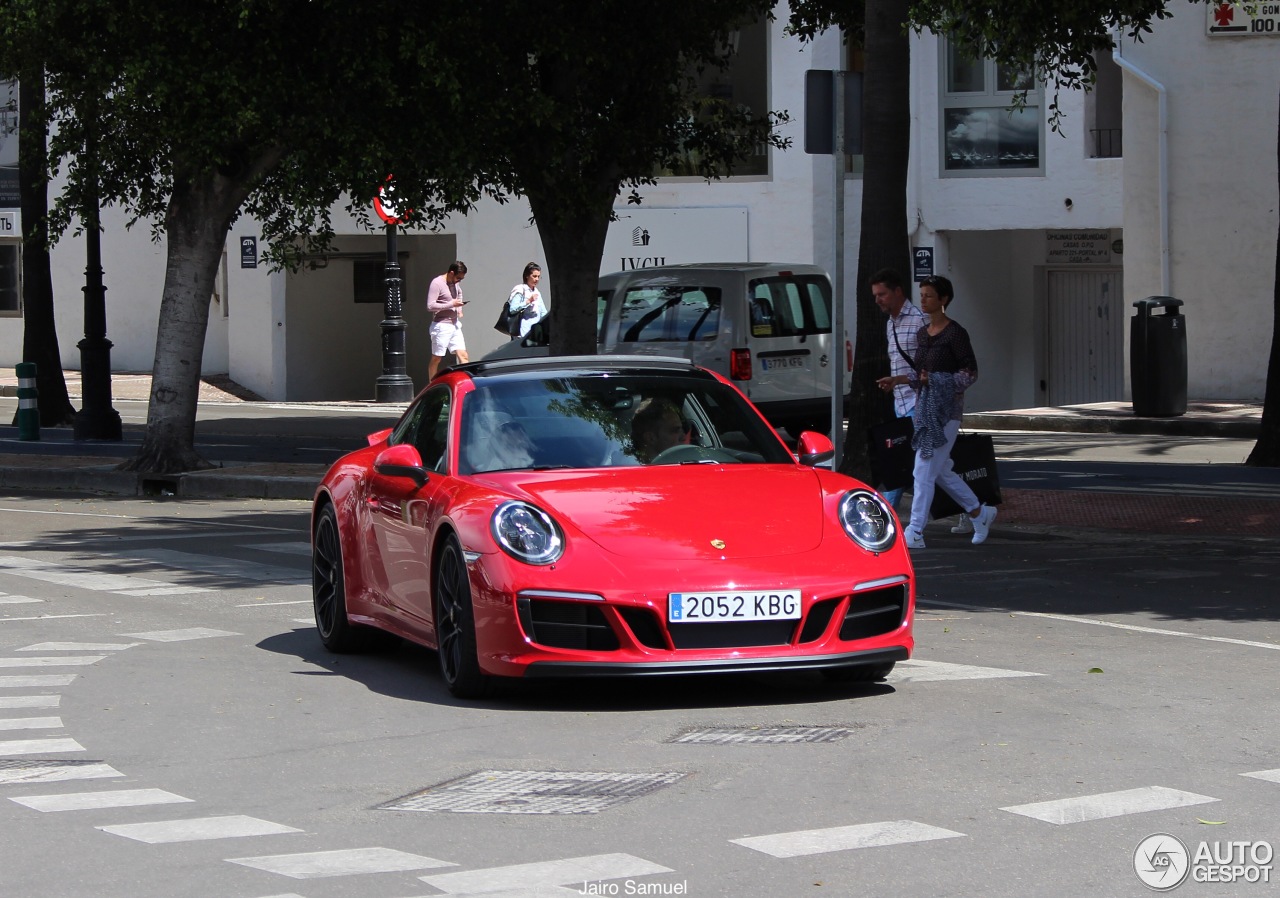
(964, 524)
(982, 524)
(914, 540)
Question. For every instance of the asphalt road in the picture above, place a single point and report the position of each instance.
(171, 726)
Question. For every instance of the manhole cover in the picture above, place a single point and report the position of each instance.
(755, 735)
(533, 792)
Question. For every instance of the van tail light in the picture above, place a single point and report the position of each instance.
(848, 355)
(740, 364)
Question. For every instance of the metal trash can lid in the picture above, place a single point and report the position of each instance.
(1157, 302)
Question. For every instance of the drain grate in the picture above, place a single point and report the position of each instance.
(763, 735)
(533, 792)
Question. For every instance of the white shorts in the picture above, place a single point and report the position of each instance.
(446, 337)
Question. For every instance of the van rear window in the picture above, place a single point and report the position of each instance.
(790, 306)
(669, 313)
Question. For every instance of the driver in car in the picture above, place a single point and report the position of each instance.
(656, 426)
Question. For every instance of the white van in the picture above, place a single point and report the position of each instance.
(764, 325)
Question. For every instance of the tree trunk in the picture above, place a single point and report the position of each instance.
(573, 240)
(196, 226)
(39, 329)
(1266, 452)
(886, 128)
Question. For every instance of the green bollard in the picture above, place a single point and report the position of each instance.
(28, 407)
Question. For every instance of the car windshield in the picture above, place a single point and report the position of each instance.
(607, 419)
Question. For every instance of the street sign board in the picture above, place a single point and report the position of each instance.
(1251, 18)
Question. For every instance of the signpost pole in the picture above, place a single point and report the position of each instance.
(837, 303)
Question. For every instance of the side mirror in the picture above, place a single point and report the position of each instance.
(815, 449)
(402, 460)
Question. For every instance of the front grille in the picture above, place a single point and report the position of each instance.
(731, 634)
(645, 625)
(567, 625)
(815, 623)
(875, 612)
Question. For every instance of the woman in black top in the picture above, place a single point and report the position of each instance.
(944, 367)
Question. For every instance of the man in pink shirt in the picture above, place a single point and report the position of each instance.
(445, 302)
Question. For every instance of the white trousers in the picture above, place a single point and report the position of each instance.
(937, 470)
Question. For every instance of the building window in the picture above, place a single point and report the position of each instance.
(983, 132)
(1103, 108)
(10, 282)
(743, 85)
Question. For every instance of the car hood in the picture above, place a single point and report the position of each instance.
(684, 512)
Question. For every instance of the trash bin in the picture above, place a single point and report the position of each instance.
(1158, 358)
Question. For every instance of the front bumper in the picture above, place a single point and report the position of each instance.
(565, 669)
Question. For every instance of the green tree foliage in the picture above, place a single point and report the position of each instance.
(202, 112)
(580, 102)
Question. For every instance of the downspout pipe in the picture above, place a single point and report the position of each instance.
(1163, 153)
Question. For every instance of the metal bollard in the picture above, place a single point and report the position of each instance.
(28, 406)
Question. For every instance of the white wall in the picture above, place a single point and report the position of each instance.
(1222, 97)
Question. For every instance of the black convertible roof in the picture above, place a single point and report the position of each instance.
(576, 364)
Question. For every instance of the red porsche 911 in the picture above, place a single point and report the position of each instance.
(605, 516)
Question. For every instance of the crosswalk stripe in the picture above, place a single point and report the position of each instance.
(82, 578)
(1109, 804)
(83, 801)
(51, 661)
(320, 864)
(197, 829)
(180, 635)
(31, 723)
(19, 600)
(38, 747)
(843, 838)
(917, 671)
(1271, 776)
(589, 869)
(231, 568)
(16, 772)
(13, 681)
(78, 647)
(12, 702)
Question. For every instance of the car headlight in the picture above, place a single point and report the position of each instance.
(527, 533)
(867, 520)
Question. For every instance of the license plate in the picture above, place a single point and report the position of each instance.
(788, 361)
(737, 605)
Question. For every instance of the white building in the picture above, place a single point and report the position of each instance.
(1162, 182)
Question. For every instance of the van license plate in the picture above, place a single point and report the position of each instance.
(786, 361)
(741, 605)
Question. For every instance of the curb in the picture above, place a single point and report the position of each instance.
(1174, 427)
(104, 480)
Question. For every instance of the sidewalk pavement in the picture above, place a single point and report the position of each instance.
(93, 469)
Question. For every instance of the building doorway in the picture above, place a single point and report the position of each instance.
(1085, 336)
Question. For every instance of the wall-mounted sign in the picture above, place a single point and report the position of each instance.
(248, 252)
(1251, 18)
(922, 262)
(647, 238)
(1078, 247)
(7, 227)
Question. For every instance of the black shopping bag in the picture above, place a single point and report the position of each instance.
(974, 458)
(892, 458)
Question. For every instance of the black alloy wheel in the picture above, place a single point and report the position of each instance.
(455, 624)
(329, 592)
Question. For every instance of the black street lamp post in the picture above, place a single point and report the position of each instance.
(96, 420)
(394, 384)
